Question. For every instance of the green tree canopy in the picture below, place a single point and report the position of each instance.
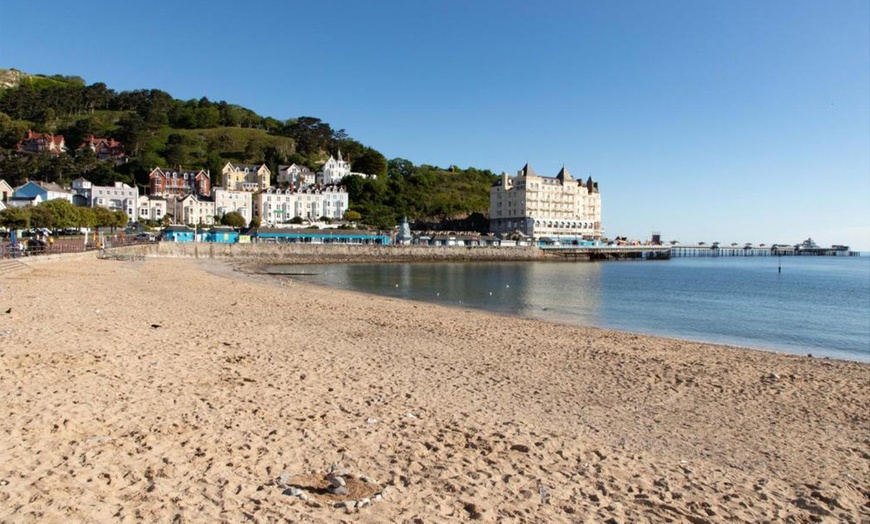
(233, 219)
(371, 162)
(119, 219)
(352, 216)
(41, 216)
(103, 217)
(15, 218)
(87, 217)
(64, 212)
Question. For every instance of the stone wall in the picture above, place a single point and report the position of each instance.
(332, 253)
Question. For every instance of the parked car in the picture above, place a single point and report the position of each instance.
(145, 237)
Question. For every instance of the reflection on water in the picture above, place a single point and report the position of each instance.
(817, 304)
(560, 292)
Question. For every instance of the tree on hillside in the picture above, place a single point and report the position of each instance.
(97, 96)
(81, 130)
(184, 149)
(11, 132)
(206, 116)
(371, 162)
(133, 132)
(157, 110)
(399, 167)
(311, 134)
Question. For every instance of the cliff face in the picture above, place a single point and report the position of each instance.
(11, 78)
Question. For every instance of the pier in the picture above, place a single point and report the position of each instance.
(608, 252)
(681, 251)
(654, 252)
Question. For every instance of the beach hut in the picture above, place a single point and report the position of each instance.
(220, 235)
(178, 234)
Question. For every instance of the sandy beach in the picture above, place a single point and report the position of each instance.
(177, 390)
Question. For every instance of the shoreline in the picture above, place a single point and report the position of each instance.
(192, 387)
(262, 268)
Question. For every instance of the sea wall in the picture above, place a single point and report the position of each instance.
(332, 253)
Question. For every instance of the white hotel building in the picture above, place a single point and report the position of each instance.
(557, 207)
(280, 206)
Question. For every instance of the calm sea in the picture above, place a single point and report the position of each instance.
(818, 305)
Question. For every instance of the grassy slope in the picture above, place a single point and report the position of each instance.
(454, 192)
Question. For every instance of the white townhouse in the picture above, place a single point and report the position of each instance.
(335, 169)
(152, 208)
(295, 175)
(280, 206)
(118, 197)
(558, 207)
(196, 210)
(226, 201)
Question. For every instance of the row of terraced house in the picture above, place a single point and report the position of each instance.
(188, 196)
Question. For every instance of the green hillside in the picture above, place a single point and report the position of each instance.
(159, 130)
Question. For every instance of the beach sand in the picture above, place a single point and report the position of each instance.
(168, 390)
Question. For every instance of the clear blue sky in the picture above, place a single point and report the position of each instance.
(730, 121)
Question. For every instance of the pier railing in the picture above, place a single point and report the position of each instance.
(650, 252)
(755, 251)
(609, 252)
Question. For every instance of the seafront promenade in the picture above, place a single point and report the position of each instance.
(300, 253)
(346, 253)
(310, 252)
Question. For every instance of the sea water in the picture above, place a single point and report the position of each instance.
(818, 305)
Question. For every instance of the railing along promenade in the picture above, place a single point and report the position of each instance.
(62, 246)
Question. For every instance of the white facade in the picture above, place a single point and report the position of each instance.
(227, 201)
(536, 206)
(296, 176)
(280, 206)
(119, 197)
(199, 212)
(151, 208)
(335, 169)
